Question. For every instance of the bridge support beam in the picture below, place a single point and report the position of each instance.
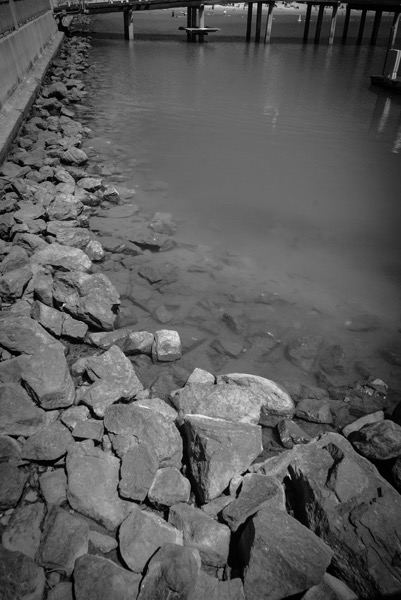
(376, 26)
(361, 27)
(191, 22)
(319, 23)
(333, 24)
(307, 22)
(128, 24)
(346, 23)
(269, 23)
(249, 22)
(258, 22)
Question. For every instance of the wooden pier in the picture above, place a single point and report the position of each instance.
(196, 29)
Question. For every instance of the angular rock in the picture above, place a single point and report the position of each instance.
(13, 283)
(48, 444)
(169, 487)
(18, 413)
(103, 543)
(65, 538)
(333, 360)
(77, 237)
(166, 346)
(378, 441)
(73, 329)
(93, 478)
(12, 483)
(23, 531)
(91, 298)
(303, 351)
(313, 410)
(47, 378)
(97, 578)
(65, 207)
(362, 421)
(160, 406)
(90, 429)
(216, 450)
(276, 402)
(290, 433)
(138, 469)
(10, 449)
(50, 318)
(53, 485)
(74, 156)
(141, 534)
(23, 335)
(200, 376)
(115, 367)
(130, 424)
(330, 588)
(63, 257)
(61, 591)
(107, 339)
(15, 259)
(200, 531)
(172, 573)
(284, 557)
(20, 577)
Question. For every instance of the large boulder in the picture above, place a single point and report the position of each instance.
(20, 577)
(63, 257)
(378, 441)
(49, 444)
(216, 450)
(97, 578)
(20, 334)
(19, 415)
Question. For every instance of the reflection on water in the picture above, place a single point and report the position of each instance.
(281, 154)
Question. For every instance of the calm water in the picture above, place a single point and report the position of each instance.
(278, 161)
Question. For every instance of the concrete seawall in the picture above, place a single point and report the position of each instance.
(25, 55)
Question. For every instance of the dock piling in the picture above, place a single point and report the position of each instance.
(319, 23)
(346, 23)
(249, 22)
(361, 27)
(269, 23)
(376, 27)
(307, 22)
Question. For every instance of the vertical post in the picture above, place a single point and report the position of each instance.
(14, 14)
(258, 22)
(393, 35)
(191, 22)
(269, 23)
(249, 22)
(319, 23)
(128, 24)
(361, 27)
(346, 23)
(376, 26)
(201, 13)
(307, 22)
(333, 24)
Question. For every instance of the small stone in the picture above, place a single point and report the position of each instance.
(167, 346)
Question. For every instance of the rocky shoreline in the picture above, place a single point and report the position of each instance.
(125, 472)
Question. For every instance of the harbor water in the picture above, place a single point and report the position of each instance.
(281, 168)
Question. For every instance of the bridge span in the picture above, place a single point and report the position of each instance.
(196, 29)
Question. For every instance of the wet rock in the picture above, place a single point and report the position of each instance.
(216, 450)
(363, 323)
(74, 156)
(107, 339)
(77, 237)
(93, 478)
(303, 351)
(141, 534)
(169, 487)
(13, 283)
(55, 90)
(150, 240)
(362, 421)
(94, 251)
(340, 495)
(48, 444)
(172, 572)
(138, 469)
(23, 531)
(20, 577)
(139, 342)
(47, 378)
(227, 346)
(12, 482)
(200, 531)
(19, 415)
(91, 298)
(378, 441)
(276, 402)
(166, 346)
(63, 257)
(162, 222)
(53, 485)
(333, 360)
(313, 410)
(257, 492)
(392, 353)
(290, 433)
(97, 578)
(284, 557)
(200, 376)
(131, 424)
(64, 539)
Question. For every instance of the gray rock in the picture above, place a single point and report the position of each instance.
(10, 449)
(303, 351)
(216, 450)
(330, 588)
(172, 573)
(23, 531)
(13, 283)
(107, 339)
(48, 444)
(29, 210)
(47, 378)
(50, 318)
(150, 240)
(90, 429)
(141, 534)
(93, 478)
(73, 329)
(16, 258)
(97, 578)
(53, 485)
(333, 360)
(61, 591)
(130, 424)
(290, 433)
(65, 538)
(12, 482)
(115, 367)
(91, 298)
(313, 410)
(285, 558)
(396, 473)
(166, 346)
(74, 156)
(160, 406)
(200, 376)
(78, 237)
(18, 413)
(99, 396)
(257, 492)
(102, 542)
(30, 241)
(200, 531)
(169, 487)
(64, 257)
(378, 441)
(138, 469)
(213, 589)
(91, 184)
(65, 207)
(20, 577)
(362, 421)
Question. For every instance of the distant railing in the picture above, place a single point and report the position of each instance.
(14, 13)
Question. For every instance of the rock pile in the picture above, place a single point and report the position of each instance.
(213, 491)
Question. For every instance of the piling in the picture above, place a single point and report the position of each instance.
(249, 22)
(361, 27)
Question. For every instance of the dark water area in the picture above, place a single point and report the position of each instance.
(281, 167)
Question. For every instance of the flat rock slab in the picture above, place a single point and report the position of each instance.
(22, 335)
(19, 415)
(97, 578)
(48, 444)
(62, 256)
(116, 368)
(23, 531)
(169, 487)
(138, 469)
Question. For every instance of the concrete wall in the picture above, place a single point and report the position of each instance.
(20, 50)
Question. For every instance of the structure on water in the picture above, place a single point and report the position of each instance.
(196, 28)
